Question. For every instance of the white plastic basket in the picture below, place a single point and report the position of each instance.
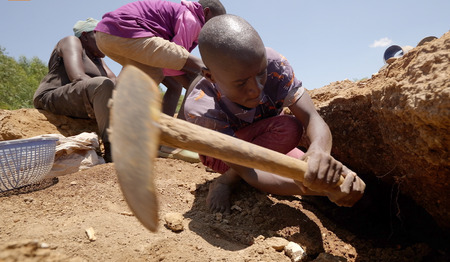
(25, 161)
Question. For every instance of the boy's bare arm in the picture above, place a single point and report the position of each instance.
(323, 170)
(71, 50)
(193, 65)
(265, 181)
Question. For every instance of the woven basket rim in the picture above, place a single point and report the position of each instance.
(27, 140)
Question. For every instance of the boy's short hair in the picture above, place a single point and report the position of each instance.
(228, 34)
(215, 6)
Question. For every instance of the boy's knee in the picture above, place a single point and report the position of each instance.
(288, 131)
(105, 82)
(290, 123)
(104, 86)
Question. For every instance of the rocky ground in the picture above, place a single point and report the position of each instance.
(50, 222)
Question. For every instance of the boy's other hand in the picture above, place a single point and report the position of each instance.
(324, 173)
(350, 191)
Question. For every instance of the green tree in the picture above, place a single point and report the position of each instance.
(19, 80)
(180, 101)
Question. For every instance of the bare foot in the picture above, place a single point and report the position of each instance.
(218, 199)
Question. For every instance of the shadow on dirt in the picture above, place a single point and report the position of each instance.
(253, 214)
(383, 225)
(384, 219)
(45, 183)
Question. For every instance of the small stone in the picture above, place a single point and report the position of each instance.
(236, 207)
(73, 183)
(218, 216)
(277, 243)
(44, 245)
(259, 239)
(28, 199)
(91, 234)
(174, 221)
(295, 252)
(192, 188)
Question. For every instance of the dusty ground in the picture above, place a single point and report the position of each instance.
(49, 224)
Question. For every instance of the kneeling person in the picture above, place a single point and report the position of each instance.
(243, 92)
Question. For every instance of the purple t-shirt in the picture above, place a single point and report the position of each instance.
(178, 23)
(151, 18)
(207, 107)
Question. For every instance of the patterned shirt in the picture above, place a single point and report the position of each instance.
(208, 107)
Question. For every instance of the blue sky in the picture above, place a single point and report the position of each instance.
(325, 41)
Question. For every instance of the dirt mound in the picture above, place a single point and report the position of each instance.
(25, 123)
(395, 126)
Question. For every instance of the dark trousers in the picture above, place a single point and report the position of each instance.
(83, 99)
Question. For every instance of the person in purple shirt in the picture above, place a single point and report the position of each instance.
(243, 92)
(157, 37)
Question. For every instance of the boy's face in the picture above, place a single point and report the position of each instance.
(241, 79)
(91, 44)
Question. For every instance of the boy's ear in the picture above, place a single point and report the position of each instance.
(84, 36)
(207, 13)
(207, 74)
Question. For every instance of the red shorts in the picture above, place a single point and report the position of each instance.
(280, 133)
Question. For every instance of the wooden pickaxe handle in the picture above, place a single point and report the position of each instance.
(182, 134)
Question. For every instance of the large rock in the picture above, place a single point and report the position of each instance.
(396, 125)
(25, 123)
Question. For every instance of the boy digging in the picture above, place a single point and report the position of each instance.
(244, 89)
